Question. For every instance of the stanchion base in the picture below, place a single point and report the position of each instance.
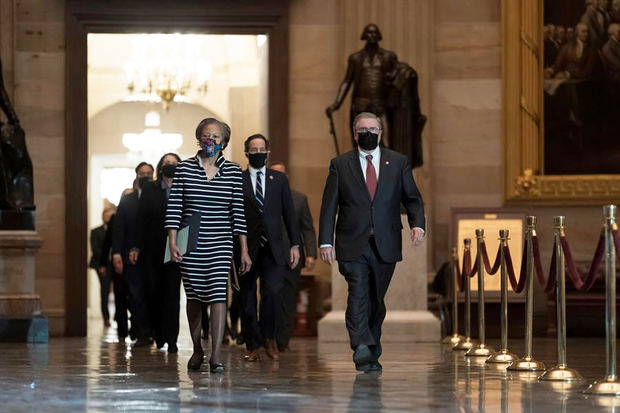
(502, 357)
(464, 345)
(527, 364)
(605, 387)
(454, 339)
(480, 351)
(560, 373)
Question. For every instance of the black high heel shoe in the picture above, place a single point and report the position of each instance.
(195, 365)
(216, 367)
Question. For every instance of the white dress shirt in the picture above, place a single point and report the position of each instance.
(263, 181)
(376, 161)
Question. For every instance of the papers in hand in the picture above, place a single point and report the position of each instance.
(187, 237)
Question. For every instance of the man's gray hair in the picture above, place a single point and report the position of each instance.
(367, 115)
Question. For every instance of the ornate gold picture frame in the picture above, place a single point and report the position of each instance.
(525, 181)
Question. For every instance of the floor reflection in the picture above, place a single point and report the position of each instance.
(101, 374)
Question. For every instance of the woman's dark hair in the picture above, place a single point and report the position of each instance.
(246, 144)
(212, 121)
(160, 164)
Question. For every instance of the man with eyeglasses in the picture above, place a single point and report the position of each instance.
(268, 205)
(364, 190)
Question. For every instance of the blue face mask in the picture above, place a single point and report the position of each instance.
(210, 147)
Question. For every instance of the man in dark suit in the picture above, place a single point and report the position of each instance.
(123, 240)
(97, 238)
(365, 189)
(307, 250)
(268, 204)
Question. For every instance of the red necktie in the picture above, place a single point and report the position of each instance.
(371, 177)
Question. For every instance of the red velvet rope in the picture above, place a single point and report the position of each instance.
(465, 271)
(517, 286)
(580, 282)
(549, 283)
(485, 259)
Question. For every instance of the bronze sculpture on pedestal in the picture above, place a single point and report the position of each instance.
(388, 88)
(16, 182)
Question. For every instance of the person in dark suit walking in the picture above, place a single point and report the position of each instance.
(268, 204)
(164, 280)
(307, 260)
(97, 238)
(123, 240)
(365, 189)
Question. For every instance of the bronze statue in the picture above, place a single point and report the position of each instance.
(16, 183)
(388, 88)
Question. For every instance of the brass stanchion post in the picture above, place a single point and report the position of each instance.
(503, 355)
(455, 338)
(560, 372)
(609, 385)
(481, 350)
(528, 362)
(467, 343)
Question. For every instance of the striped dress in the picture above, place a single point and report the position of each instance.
(220, 203)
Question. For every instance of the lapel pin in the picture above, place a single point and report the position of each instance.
(387, 162)
(270, 176)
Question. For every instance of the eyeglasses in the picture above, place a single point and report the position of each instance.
(364, 130)
(254, 150)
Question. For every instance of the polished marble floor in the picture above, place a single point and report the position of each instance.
(100, 374)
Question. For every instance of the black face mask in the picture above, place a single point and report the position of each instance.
(257, 160)
(168, 170)
(143, 181)
(367, 140)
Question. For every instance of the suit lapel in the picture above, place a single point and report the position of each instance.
(268, 184)
(385, 168)
(356, 169)
(247, 186)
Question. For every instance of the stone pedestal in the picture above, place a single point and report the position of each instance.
(407, 319)
(20, 315)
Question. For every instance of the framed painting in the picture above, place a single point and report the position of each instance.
(561, 81)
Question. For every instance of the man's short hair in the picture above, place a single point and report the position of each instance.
(367, 115)
(224, 128)
(246, 144)
(141, 164)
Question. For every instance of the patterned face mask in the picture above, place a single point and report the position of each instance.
(210, 147)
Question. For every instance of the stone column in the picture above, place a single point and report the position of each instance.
(20, 315)
(407, 319)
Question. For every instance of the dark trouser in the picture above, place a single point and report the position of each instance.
(288, 293)
(164, 301)
(236, 314)
(368, 278)
(138, 290)
(171, 303)
(271, 276)
(121, 301)
(104, 284)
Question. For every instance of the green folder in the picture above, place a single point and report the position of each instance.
(187, 237)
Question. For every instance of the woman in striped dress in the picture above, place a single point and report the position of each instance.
(211, 186)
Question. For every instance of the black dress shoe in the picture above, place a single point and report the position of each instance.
(143, 342)
(362, 357)
(216, 367)
(374, 367)
(195, 361)
(173, 349)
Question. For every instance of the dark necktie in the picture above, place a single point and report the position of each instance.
(260, 201)
(371, 177)
(259, 191)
